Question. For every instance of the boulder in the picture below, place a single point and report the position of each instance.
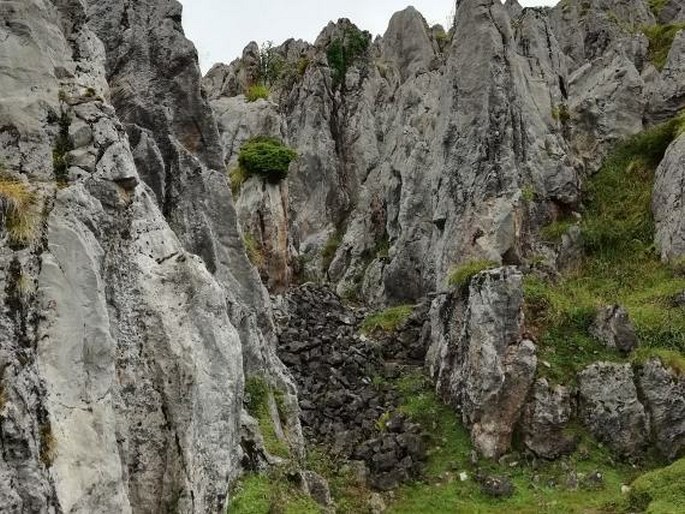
(612, 326)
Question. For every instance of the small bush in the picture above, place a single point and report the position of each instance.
(387, 320)
(254, 250)
(330, 248)
(236, 178)
(266, 157)
(257, 92)
(258, 396)
(343, 51)
(461, 275)
(661, 491)
(18, 206)
(660, 41)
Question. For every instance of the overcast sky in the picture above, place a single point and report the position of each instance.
(221, 29)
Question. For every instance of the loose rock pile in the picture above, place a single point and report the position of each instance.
(339, 375)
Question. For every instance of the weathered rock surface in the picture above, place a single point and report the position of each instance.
(667, 202)
(663, 393)
(480, 360)
(613, 327)
(545, 418)
(346, 399)
(610, 407)
(130, 312)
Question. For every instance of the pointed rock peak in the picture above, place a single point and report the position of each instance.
(513, 7)
(337, 29)
(408, 43)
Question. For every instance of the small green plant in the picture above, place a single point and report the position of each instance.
(302, 65)
(19, 208)
(271, 65)
(48, 445)
(661, 491)
(270, 493)
(254, 250)
(660, 41)
(330, 248)
(258, 397)
(528, 193)
(257, 92)
(561, 113)
(657, 6)
(236, 178)
(382, 421)
(461, 276)
(266, 157)
(388, 320)
(344, 50)
(553, 232)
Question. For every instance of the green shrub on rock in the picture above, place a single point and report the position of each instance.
(266, 157)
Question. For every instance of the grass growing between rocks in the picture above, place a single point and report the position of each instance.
(620, 266)
(268, 494)
(660, 41)
(661, 491)
(541, 487)
(461, 275)
(387, 320)
(258, 398)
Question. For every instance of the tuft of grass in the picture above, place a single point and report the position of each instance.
(461, 276)
(661, 491)
(657, 6)
(48, 445)
(236, 178)
(330, 248)
(266, 157)
(254, 251)
(669, 358)
(619, 266)
(660, 41)
(270, 493)
(257, 92)
(561, 113)
(258, 398)
(345, 50)
(18, 205)
(553, 232)
(528, 193)
(388, 320)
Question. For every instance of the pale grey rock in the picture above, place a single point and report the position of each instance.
(610, 408)
(666, 89)
(663, 392)
(545, 417)
(613, 327)
(667, 202)
(408, 45)
(482, 364)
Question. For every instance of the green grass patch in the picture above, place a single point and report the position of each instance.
(620, 265)
(257, 92)
(669, 358)
(539, 489)
(553, 232)
(236, 178)
(266, 157)
(344, 50)
(258, 397)
(657, 6)
(254, 251)
(387, 320)
(660, 41)
(461, 276)
(330, 248)
(661, 491)
(268, 494)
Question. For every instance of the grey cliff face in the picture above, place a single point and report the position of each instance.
(480, 360)
(425, 158)
(130, 311)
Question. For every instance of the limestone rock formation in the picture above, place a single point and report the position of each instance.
(611, 409)
(613, 327)
(667, 204)
(480, 360)
(545, 417)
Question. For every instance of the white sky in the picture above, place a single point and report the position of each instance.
(221, 29)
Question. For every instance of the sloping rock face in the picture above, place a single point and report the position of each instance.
(480, 360)
(667, 202)
(130, 312)
(423, 157)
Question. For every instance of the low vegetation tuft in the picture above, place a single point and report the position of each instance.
(388, 320)
(270, 493)
(461, 276)
(258, 397)
(257, 92)
(266, 157)
(660, 41)
(19, 208)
